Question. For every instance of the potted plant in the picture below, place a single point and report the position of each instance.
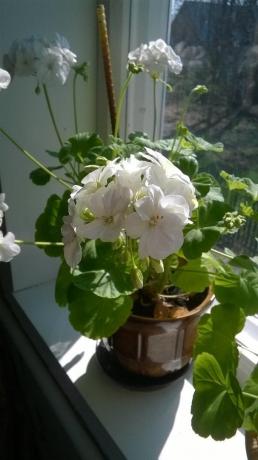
(136, 231)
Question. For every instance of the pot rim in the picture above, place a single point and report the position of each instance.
(204, 304)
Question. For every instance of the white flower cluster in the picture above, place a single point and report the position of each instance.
(146, 198)
(8, 247)
(155, 57)
(5, 79)
(47, 61)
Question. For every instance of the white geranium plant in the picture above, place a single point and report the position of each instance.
(137, 217)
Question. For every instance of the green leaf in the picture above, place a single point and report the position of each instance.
(200, 240)
(241, 289)
(252, 189)
(137, 134)
(241, 183)
(203, 182)
(83, 142)
(82, 70)
(39, 177)
(192, 277)
(64, 154)
(103, 271)
(244, 261)
(81, 148)
(49, 223)
(214, 194)
(188, 165)
(110, 284)
(251, 385)
(250, 391)
(162, 144)
(200, 145)
(211, 212)
(63, 282)
(217, 405)
(216, 332)
(98, 317)
(233, 182)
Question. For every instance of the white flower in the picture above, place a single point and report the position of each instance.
(5, 79)
(99, 178)
(72, 246)
(23, 55)
(108, 206)
(55, 61)
(64, 47)
(158, 221)
(8, 247)
(49, 66)
(155, 56)
(170, 178)
(48, 61)
(53, 64)
(132, 173)
(3, 207)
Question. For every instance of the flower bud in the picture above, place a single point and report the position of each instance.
(200, 89)
(137, 277)
(101, 161)
(157, 265)
(134, 68)
(87, 215)
(89, 168)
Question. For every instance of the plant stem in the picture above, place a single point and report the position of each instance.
(120, 102)
(39, 243)
(154, 108)
(175, 296)
(223, 254)
(75, 103)
(52, 114)
(250, 395)
(130, 248)
(34, 160)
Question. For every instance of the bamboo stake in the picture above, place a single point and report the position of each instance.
(101, 15)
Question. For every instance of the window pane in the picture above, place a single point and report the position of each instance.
(218, 44)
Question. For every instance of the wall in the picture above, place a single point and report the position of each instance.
(24, 115)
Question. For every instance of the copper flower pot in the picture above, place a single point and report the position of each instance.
(251, 445)
(155, 348)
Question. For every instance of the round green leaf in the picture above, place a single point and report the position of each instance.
(98, 317)
(39, 177)
(217, 405)
(200, 240)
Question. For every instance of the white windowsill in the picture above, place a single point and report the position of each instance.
(145, 425)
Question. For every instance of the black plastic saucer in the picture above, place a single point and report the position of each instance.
(113, 369)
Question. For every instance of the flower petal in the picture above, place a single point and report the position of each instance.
(8, 248)
(134, 225)
(73, 253)
(5, 79)
(158, 245)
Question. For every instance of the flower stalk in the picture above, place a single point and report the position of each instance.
(34, 160)
(40, 243)
(120, 103)
(154, 108)
(75, 103)
(52, 114)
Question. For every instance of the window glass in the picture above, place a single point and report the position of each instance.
(218, 44)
